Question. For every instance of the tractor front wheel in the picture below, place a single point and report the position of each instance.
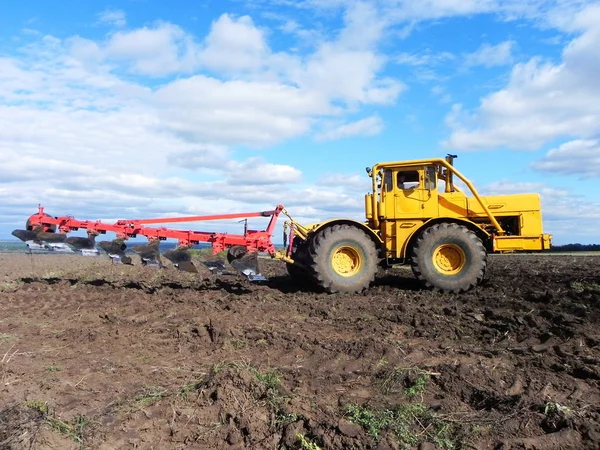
(449, 257)
(344, 259)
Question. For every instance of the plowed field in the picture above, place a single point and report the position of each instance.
(102, 356)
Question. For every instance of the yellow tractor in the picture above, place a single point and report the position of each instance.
(417, 215)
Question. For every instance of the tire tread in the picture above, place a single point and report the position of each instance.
(458, 230)
(326, 238)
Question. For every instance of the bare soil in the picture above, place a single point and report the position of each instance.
(102, 356)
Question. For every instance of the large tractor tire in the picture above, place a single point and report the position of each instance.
(449, 257)
(344, 259)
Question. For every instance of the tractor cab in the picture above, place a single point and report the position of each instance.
(408, 191)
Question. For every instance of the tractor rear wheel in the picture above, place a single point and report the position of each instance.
(449, 257)
(344, 259)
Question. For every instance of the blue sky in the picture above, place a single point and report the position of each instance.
(144, 108)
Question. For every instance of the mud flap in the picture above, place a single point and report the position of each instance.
(245, 262)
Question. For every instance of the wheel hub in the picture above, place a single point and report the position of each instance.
(346, 261)
(449, 259)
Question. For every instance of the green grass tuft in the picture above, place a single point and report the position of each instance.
(411, 424)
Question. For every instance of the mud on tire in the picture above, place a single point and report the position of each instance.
(344, 259)
(449, 257)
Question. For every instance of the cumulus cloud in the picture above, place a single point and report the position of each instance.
(488, 55)
(555, 13)
(347, 66)
(579, 157)
(159, 50)
(253, 171)
(114, 17)
(542, 101)
(257, 113)
(369, 126)
(202, 156)
(110, 145)
(426, 58)
(256, 171)
(233, 45)
(345, 182)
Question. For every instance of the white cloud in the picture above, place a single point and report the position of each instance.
(369, 126)
(234, 112)
(255, 171)
(578, 157)
(488, 55)
(233, 45)
(110, 146)
(202, 156)
(542, 100)
(555, 13)
(427, 58)
(114, 17)
(346, 182)
(156, 51)
(346, 67)
(218, 159)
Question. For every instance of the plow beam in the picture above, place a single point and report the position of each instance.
(252, 240)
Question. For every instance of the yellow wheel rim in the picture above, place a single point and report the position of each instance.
(449, 259)
(346, 261)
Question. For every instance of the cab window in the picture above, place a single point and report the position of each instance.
(388, 184)
(407, 179)
(430, 178)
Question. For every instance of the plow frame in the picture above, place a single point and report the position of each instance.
(253, 240)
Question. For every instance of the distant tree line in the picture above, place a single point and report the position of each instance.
(576, 248)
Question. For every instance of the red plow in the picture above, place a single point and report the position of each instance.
(242, 249)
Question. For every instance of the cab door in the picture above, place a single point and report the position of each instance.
(407, 195)
(415, 193)
(429, 193)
